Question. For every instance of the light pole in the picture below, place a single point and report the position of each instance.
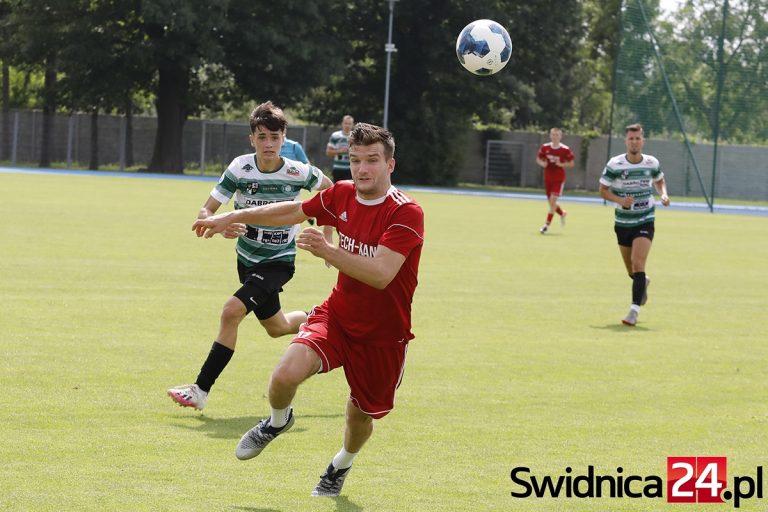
(390, 49)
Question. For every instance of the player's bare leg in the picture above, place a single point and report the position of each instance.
(552, 200)
(641, 246)
(281, 323)
(358, 430)
(626, 256)
(297, 365)
(196, 395)
(232, 315)
(635, 259)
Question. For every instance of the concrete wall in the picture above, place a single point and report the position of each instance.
(742, 170)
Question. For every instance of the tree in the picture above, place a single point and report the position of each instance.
(593, 72)
(36, 29)
(103, 62)
(691, 46)
(292, 53)
(181, 36)
(208, 52)
(433, 101)
(5, 57)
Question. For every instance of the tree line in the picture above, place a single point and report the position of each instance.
(321, 59)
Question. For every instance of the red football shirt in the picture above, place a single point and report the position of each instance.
(553, 171)
(394, 221)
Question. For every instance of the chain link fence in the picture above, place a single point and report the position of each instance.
(697, 78)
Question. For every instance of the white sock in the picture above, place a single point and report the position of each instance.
(343, 459)
(279, 417)
(635, 308)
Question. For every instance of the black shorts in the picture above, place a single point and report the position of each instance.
(625, 235)
(341, 174)
(262, 285)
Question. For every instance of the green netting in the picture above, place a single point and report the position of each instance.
(697, 80)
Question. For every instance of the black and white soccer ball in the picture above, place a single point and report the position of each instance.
(484, 47)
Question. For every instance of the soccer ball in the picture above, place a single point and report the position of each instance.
(484, 47)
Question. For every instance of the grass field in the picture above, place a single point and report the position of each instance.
(107, 299)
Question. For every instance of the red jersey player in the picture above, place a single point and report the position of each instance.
(555, 158)
(365, 324)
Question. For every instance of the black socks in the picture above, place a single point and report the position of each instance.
(638, 287)
(217, 360)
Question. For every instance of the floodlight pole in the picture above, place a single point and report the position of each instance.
(390, 49)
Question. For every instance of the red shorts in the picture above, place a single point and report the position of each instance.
(553, 187)
(373, 372)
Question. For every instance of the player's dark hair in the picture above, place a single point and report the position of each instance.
(636, 127)
(269, 116)
(364, 134)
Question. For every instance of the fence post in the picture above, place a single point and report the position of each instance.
(487, 160)
(718, 93)
(70, 136)
(34, 138)
(524, 167)
(202, 149)
(224, 143)
(76, 138)
(15, 142)
(123, 134)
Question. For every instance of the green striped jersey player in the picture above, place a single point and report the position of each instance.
(265, 255)
(251, 186)
(628, 180)
(635, 180)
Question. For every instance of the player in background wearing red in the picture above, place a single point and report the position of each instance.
(365, 324)
(555, 158)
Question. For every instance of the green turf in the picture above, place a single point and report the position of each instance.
(107, 299)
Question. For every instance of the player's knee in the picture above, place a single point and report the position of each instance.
(283, 378)
(360, 427)
(233, 311)
(358, 419)
(277, 325)
(276, 331)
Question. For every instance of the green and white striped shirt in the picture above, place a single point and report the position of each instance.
(636, 180)
(252, 187)
(339, 141)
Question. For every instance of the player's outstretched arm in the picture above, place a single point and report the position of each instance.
(276, 214)
(209, 208)
(377, 272)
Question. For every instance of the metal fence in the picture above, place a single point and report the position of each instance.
(742, 170)
(505, 163)
(697, 78)
(205, 142)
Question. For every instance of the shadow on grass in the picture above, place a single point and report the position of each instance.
(342, 505)
(233, 428)
(617, 327)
